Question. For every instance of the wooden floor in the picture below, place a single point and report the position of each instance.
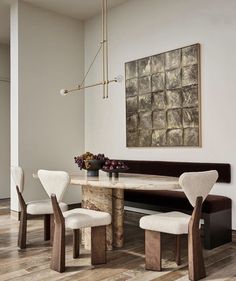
(126, 264)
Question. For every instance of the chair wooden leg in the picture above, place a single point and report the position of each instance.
(22, 230)
(196, 266)
(98, 245)
(52, 226)
(58, 249)
(153, 250)
(178, 250)
(46, 227)
(76, 243)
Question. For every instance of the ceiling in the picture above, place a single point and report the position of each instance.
(79, 9)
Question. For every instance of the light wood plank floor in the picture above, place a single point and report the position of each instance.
(125, 264)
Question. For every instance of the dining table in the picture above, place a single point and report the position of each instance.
(105, 193)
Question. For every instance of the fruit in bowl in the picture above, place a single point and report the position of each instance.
(114, 166)
(90, 162)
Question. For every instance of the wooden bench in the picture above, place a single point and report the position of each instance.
(216, 211)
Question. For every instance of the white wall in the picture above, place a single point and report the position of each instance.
(4, 121)
(47, 55)
(14, 45)
(141, 28)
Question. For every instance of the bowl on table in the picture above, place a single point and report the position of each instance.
(114, 167)
(93, 166)
(90, 162)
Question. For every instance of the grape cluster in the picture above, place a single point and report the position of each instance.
(114, 164)
(100, 157)
(79, 161)
(83, 161)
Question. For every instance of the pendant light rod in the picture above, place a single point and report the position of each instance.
(104, 47)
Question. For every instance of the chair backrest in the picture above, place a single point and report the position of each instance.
(195, 184)
(54, 182)
(18, 177)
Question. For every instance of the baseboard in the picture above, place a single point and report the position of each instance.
(15, 215)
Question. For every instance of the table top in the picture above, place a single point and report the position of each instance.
(127, 181)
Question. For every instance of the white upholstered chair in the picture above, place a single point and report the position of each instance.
(196, 186)
(40, 207)
(74, 219)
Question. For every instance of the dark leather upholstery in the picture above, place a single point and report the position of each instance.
(177, 200)
(175, 169)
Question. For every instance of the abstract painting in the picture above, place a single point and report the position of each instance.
(163, 99)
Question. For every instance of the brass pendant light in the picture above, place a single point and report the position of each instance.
(104, 47)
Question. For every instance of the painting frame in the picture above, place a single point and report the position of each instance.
(163, 99)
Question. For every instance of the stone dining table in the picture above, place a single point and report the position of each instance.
(107, 194)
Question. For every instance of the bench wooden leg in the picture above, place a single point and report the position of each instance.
(153, 250)
(58, 249)
(76, 243)
(98, 245)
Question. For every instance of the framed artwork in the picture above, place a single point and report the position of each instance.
(163, 99)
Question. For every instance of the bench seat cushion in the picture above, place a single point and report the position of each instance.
(176, 200)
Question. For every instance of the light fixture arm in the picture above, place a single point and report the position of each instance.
(104, 47)
(64, 92)
(86, 74)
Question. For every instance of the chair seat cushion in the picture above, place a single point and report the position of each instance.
(80, 218)
(171, 222)
(43, 207)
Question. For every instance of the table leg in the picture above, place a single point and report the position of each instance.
(118, 217)
(98, 199)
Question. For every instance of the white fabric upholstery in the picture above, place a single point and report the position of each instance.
(18, 177)
(80, 218)
(43, 207)
(171, 222)
(54, 182)
(196, 184)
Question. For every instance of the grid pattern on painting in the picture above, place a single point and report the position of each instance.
(163, 99)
